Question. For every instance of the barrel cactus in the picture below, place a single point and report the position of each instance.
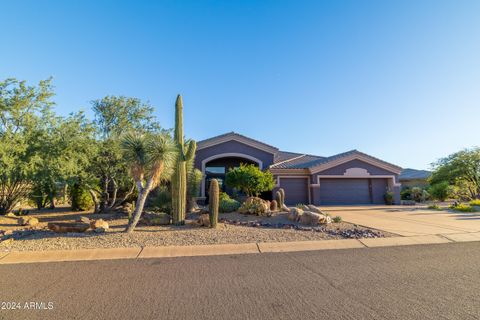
(280, 197)
(179, 179)
(273, 206)
(214, 201)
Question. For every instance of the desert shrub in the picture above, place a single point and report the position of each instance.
(419, 195)
(255, 205)
(388, 197)
(194, 181)
(475, 202)
(439, 190)
(299, 205)
(406, 194)
(161, 199)
(462, 207)
(228, 204)
(434, 207)
(80, 198)
(337, 219)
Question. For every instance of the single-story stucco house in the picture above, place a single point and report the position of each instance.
(351, 177)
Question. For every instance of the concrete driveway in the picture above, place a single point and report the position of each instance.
(408, 220)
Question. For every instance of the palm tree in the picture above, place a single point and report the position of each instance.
(151, 158)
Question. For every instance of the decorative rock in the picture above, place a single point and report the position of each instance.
(99, 230)
(162, 219)
(7, 233)
(84, 220)
(10, 215)
(204, 220)
(294, 214)
(304, 207)
(312, 218)
(312, 208)
(28, 221)
(100, 223)
(64, 227)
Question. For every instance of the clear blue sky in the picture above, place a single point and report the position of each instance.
(396, 79)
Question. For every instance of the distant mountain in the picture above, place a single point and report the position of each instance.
(413, 174)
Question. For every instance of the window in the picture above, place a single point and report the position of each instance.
(215, 170)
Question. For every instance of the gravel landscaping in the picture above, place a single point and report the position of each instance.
(233, 228)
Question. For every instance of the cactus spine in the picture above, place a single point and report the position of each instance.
(214, 201)
(179, 179)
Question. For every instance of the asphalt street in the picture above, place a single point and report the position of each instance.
(411, 282)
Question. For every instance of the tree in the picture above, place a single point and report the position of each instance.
(459, 169)
(440, 190)
(21, 107)
(113, 116)
(250, 179)
(152, 158)
(64, 147)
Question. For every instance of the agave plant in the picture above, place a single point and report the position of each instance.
(152, 158)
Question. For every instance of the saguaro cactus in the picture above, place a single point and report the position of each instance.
(214, 201)
(179, 179)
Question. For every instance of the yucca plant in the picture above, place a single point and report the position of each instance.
(151, 158)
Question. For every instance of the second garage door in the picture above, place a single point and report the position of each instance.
(344, 191)
(296, 190)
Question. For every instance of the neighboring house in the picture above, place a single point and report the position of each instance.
(414, 178)
(352, 177)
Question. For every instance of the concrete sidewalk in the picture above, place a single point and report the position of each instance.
(14, 257)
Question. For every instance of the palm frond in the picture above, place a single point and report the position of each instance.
(161, 156)
(134, 148)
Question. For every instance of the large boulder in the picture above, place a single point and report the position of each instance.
(314, 218)
(99, 224)
(295, 214)
(64, 227)
(160, 219)
(28, 221)
(313, 208)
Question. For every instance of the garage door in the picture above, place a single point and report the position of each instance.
(344, 191)
(296, 190)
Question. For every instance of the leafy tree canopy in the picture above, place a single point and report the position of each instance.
(460, 168)
(249, 179)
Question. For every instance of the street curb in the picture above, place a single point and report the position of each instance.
(403, 241)
(17, 257)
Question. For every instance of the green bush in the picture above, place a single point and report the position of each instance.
(434, 207)
(388, 197)
(228, 204)
(162, 200)
(81, 198)
(337, 219)
(463, 208)
(475, 202)
(249, 179)
(406, 194)
(439, 190)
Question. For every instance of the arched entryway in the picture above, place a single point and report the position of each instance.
(216, 167)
